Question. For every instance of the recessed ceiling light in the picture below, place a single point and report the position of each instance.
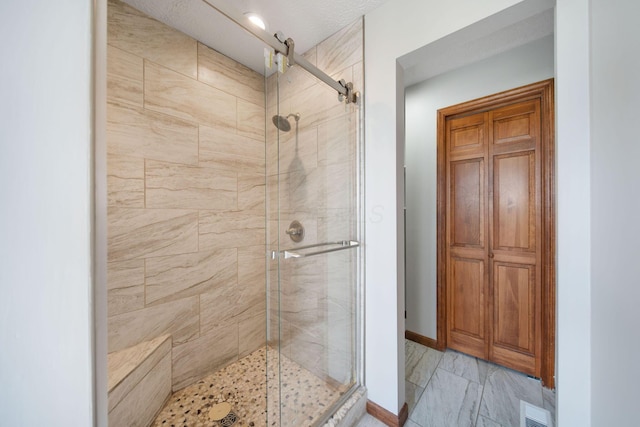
(256, 20)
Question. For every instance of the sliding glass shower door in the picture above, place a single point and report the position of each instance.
(312, 155)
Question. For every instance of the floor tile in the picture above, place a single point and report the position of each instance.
(549, 401)
(502, 394)
(410, 423)
(413, 352)
(290, 391)
(486, 422)
(465, 366)
(412, 394)
(369, 421)
(421, 362)
(448, 400)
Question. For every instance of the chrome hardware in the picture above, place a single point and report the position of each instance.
(350, 96)
(279, 36)
(291, 60)
(281, 45)
(342, 245)
(295, 231)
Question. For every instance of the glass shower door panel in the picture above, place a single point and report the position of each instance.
(315, 178)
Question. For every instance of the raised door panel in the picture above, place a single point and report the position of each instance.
(516, 122)
(467, 321)
(515, 316)
(467, 201)
(514, 202)
(466, 135)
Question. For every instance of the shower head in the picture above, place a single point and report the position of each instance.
(282, 123)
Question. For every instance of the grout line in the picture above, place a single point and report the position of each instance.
(484, 386)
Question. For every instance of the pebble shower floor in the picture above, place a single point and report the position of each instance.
(243, 384)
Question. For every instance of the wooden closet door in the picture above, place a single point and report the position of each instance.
(467, 248)
(515, 227)
(493, 235)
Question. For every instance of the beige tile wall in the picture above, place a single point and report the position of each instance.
(186, 196)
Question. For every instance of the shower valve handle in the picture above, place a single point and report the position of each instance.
(295, 231)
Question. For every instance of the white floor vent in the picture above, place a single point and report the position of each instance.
(534, 416)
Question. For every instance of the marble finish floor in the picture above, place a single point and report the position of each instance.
(452, 389)
(245, 386)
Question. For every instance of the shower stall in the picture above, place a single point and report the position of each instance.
(234, 229)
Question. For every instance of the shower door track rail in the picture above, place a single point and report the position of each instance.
(345, 90)
(342, 245)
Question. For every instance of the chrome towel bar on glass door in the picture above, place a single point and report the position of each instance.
(289, 253)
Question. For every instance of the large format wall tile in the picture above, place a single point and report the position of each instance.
(125, 181)
(335, 140)
(230, 229)
(308, 349)
(124, 77)
(178, 318)
(137, 33)
(251, 193)
(252, 333)
(219, 307)
(342, 49)
(298, 152)
(191, 219)
(225, 150)
(315, 104)
(251, 267)
(127, 367)
(298, 193)
(294, 81)
(135, 233)
(125, 286)
(336, 189)
(195, 359)
(172, 93)
(145, 400)
(170, 185)
(222, 72)
(251, 120)
(141, 133)
(231, 303)
(251, 281)
(178, 276)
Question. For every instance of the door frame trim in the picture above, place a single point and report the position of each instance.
(544, 91)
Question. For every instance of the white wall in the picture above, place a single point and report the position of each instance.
(45, 195)
(526, 64)
(573, 317)
(395, 29)
(615, 212)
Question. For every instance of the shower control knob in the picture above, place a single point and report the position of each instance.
(295, 231)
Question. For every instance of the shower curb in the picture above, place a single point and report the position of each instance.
(351, 411)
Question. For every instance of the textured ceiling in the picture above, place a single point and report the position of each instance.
(307, 22)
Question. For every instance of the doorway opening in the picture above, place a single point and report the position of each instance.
(496, 229)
